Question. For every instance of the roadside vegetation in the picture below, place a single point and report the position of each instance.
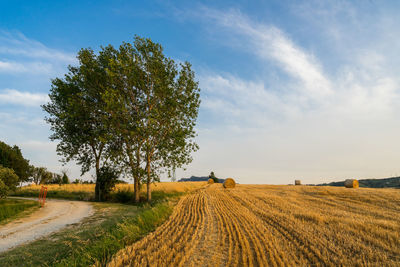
(97, 238)
(122, 193)
(12, 208)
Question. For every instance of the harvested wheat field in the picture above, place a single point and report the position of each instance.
(254, 225)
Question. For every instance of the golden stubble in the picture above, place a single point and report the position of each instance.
(261, 225)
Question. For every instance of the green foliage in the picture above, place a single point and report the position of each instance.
(76, 110)
(41, 175)
(153, 105)
(11, 157)
(9, 181)
(10, 208)
(133, 106)
(212, 176)
(3, 189)
(59, 194)
(106, 180)
(113, 227)
(65, 179)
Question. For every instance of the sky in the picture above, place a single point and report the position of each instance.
(305, 90)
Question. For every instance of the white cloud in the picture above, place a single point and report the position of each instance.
(11, 96)
(19, 55)
(18, 44)
(26, 67)
(316, 125)
(270, 43)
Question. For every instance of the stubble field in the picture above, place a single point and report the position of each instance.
(259, 225)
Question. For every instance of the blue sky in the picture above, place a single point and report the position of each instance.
(306, 90)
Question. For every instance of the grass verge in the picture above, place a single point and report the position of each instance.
(96, 239)
(122, 193)
(13, 208)
(59, 194)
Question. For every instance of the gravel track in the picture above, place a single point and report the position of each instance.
(55, 215)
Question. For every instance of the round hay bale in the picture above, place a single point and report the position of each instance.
(351, 183)
(297, 182)
(229, 183)
(210, 181)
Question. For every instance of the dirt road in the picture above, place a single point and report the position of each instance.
(55, 215)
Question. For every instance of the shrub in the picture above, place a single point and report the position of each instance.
(212, 176)
(3, 189)
(106, 179)
(11, 157)
(9, 178)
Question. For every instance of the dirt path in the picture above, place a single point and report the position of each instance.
(55, 215)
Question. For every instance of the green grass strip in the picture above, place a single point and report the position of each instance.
(11, 208)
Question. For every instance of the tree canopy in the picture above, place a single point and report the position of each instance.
(11, 157)
(131, 109)
(76, 111)
(153, 108)
(8, 181)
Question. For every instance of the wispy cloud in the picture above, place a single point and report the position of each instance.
(358, 89)
(270, 43)
(26, 67)
(18, 44)
(19, 54)
(317, 123)
(11, 96)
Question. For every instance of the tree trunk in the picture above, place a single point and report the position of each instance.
(136, 189)
(97, 193)
(148, 179)
(137, 177)
(148, 190)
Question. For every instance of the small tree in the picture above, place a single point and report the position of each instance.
(9, 180)
(41, 175)
(65, 179)
(107, 179)
(212, 176)
(11, 157)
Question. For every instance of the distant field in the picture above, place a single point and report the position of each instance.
(121, 193)
(275, 225)
(10, 208)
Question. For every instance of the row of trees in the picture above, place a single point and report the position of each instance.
(130, 111)
(40, 175)
(15, 169)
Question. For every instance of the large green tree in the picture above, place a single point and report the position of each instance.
(11, 157)
(76, 112)
(153, 105)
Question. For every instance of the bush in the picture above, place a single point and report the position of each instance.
(106, 180)
(3, 189)
(11, 157)
(212, 176)
(9, 178)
